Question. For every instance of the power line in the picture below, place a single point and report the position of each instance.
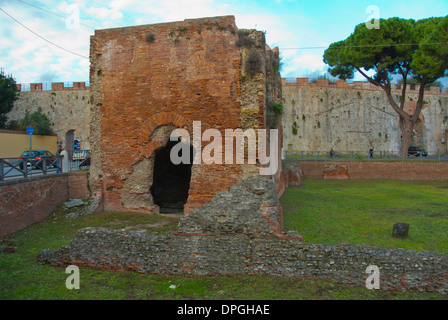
(53, 13)
(369, 46)
(54, 44)
(300, 48)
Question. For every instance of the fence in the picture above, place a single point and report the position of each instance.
(25, 167)
(364, 156)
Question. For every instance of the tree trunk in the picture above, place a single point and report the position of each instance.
(406, 121)
(407, 127)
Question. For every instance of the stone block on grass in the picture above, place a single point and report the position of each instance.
(400, 230)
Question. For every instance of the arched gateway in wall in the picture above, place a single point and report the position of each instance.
(69, 142)
(155, 181)
(170, 181)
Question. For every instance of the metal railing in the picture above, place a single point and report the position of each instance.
(362, 156)
(79, 163)
(25, 167)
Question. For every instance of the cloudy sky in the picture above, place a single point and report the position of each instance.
(40, 42)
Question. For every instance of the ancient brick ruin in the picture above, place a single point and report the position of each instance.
(147, 81)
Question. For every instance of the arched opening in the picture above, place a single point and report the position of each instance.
(171, 182)
(70, 142)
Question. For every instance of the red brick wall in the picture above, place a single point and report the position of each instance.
(190, 72)
(77, 185)
(31, 200)
(381, 170)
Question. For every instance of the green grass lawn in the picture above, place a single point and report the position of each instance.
(323, 211)
(364, 212)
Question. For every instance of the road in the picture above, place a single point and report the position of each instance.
(14, 174)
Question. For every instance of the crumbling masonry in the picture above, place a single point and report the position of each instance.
(147, 81)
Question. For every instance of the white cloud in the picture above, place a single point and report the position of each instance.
(177, 10)
(104, 14)
(30, 58)
(303, 64)
(276, 30)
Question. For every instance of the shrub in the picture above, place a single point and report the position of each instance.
(271, 119)
(278, 108)
(253, 63)
(8, 94)
(150, 38)
(38, 120)
(294, 131)
(278, 64)
(244, 40)
(13, 125)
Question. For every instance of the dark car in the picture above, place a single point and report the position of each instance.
(35, 158)
(416, 152)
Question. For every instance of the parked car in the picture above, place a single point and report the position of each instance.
(416, 152)
(35, 158)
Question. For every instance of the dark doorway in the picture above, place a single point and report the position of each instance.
(170, 182)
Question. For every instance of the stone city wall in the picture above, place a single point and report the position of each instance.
(353, 117)
(67, 108)
(340, 115)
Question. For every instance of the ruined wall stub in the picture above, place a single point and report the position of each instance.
(159, 77)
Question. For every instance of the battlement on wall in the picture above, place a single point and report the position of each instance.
(363, 85)
(54, 86)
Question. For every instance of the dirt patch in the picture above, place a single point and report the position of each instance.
(156, 227)
(118, 221)
(132, 226)
(437, 215)
(157, 224)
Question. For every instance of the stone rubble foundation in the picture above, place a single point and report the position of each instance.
(238, 254)
(239, 233)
